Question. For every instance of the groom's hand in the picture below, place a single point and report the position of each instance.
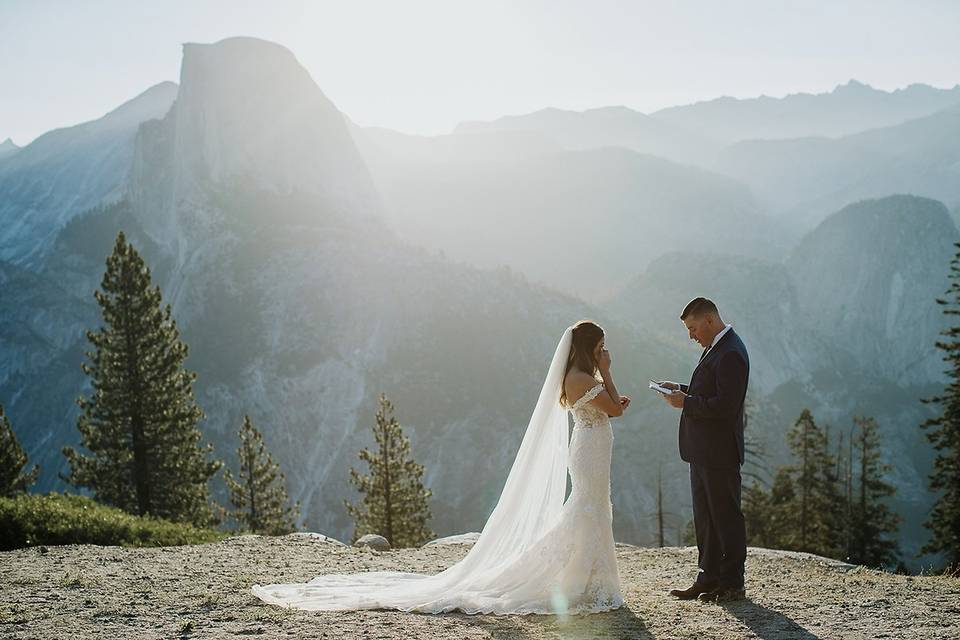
(675, 399)
(666, 384)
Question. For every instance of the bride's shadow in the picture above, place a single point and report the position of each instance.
(619, 623)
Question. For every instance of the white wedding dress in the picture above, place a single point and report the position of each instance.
(537, 553)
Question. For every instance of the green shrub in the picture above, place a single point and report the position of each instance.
(55, 518)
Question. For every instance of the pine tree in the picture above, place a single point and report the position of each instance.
(771, 516)
(260, 496)
(13, 459)
(804, 510)
(805, 440)
(140, 420)
(814, 491)
(394, 500)
(835, 510)
(873, 524)
(845, 473)
(944, 433)
(783, 527)
(758, 514)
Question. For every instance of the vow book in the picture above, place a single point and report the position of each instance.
(656, 387)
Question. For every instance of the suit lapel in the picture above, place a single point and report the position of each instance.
(703, 358)
(707, 354)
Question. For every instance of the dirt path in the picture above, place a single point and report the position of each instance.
(82, 591)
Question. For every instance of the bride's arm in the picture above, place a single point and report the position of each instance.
(615, 409)
(580, 383)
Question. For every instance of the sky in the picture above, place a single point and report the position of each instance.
(423, 66)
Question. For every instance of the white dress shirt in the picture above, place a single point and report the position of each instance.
(717, 337)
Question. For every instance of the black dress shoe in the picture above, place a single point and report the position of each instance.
(723, 594)
(692, 592)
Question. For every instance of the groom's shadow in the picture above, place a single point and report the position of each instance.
(619, 623)
(765, 623)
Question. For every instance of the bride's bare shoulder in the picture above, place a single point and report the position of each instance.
(579, 382)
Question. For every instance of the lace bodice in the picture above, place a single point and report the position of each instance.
(585, 415)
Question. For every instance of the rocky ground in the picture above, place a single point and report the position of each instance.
(203, 591)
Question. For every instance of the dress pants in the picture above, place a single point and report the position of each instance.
(719, 524)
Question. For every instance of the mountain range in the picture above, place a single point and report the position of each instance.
(805, 179)
(847, 109)
(802, 156)
(313, 264)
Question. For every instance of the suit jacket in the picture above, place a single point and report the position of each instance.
(711, 423)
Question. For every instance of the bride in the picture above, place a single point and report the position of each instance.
(537, 553)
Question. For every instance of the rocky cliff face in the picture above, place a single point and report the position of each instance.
(867, 278)
(248, 112)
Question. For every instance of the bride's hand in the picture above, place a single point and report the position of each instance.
(604, 361)
(624, 402)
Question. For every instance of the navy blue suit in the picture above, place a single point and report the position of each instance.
(711, 440)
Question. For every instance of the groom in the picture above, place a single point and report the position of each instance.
(711, 440)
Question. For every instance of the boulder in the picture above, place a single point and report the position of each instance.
(375, 542)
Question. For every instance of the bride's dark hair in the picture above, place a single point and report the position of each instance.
(585, 338)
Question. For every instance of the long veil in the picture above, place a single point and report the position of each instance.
(528, 507)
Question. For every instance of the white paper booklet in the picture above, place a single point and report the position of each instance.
(656, 387)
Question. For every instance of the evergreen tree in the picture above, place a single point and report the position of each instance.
(845, 473)
(944, 433)
(13, 459)
(804, 510)
(260, 496)
(873, 524)
(813, 489)
(771, 516)
(394, 503)
(805, 441)
(756, 503)
(140, 420)
(783, 527)
(835, 515)
(758, 514)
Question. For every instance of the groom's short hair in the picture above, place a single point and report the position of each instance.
(697, 307)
